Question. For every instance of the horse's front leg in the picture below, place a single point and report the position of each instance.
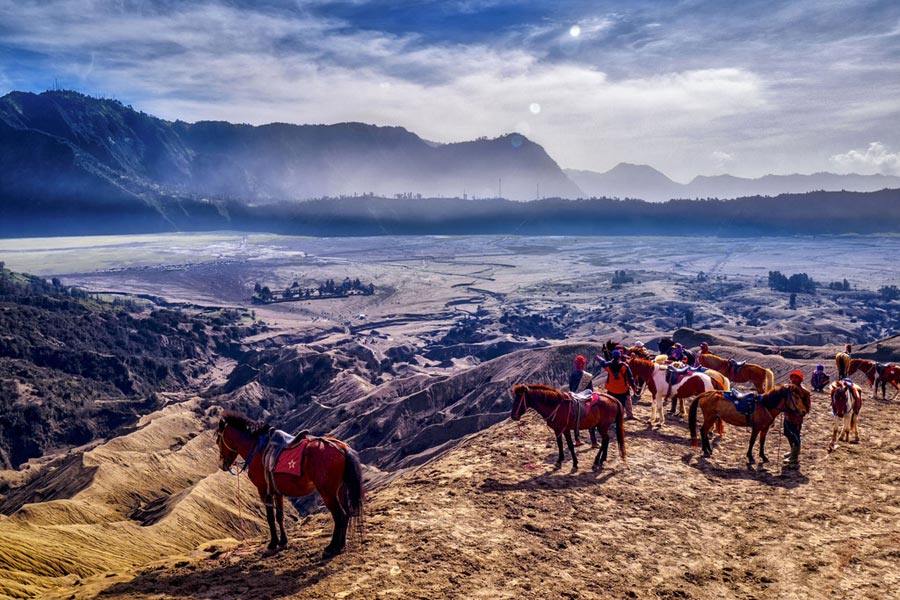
(559, 447)
(753, 435)
(854, 428)
(270, 517)
(571, 446)
(279, 516)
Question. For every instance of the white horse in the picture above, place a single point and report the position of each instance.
(654, 374)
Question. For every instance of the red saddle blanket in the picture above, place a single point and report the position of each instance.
(289, 460)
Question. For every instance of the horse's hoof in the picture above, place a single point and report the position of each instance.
(282, 544)
(854, 441)
(557, 464)
(707, 454)
(764, 459)
(330, 552)
(596, 467)
(830, 450)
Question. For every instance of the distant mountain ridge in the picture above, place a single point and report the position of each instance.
(627, 180)
(63, 145)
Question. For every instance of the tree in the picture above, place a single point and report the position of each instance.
(793, 301)
(689, 318)
(889, 292)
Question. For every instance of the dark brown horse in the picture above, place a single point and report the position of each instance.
(326, 465)
(762, 378)
(787, 397)
(846, 402)
(876, 374)
(560, 412)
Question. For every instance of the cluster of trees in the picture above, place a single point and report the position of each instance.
(889, 292)
(799, 283)
(840, 286)
(349, 287)
(620, 277)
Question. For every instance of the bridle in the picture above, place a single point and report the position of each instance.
(521, 404)
(220, 441)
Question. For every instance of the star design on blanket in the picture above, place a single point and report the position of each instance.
(292, 464)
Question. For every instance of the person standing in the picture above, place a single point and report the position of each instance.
(704, 349)
(580, 380)
(619, 381)
(793, 424)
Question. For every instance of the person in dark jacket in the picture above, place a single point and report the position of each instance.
(793, 423)
(819, 378)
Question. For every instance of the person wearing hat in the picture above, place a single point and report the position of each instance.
(580, 380)
(793, 423)
(819, 378)
(704, 349)
(677, 353)
(619, 381)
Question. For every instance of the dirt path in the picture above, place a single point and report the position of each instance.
(492, 519)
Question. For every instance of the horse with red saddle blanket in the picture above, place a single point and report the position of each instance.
(279, 466)
(564, 414)
(877, 374)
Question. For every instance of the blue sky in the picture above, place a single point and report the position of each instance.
(688, 87)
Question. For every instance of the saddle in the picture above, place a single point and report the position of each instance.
(744, 402)
(279, 442)
(674, 375)
(880, 368)
(734, 366)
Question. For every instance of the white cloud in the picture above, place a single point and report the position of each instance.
(874, 159)
(721, 159)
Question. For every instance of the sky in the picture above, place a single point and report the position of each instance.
(689, 87)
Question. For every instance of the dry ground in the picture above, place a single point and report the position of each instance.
(492, 519)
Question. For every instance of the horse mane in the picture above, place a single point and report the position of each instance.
(771, 398)
(543, 392)
(242, 422)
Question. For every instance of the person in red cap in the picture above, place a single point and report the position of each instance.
(580, 380)
(793, 423)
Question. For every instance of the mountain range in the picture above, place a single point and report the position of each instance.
(64, 145)
(627, 180)
(67, 158)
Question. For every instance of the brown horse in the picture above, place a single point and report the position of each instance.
(846, 401)
(326, 465)
(876, 374)
(842, 362)
(787, 397)
(561, 413)
(762, 379)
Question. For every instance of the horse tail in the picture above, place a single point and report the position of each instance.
(770, 380)
(692, 420)
(352, 494)
(620, 429)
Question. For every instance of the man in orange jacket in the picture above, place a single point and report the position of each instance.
(619, 381)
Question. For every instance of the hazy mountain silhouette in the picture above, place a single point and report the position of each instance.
(64, 146)
(642, 181)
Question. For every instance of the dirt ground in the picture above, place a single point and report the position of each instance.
(493, 519)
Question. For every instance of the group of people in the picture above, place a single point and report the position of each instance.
(620, 384)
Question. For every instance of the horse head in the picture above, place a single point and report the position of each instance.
(800, 400)
(520, 401)
(227, 454)
(840, 398)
